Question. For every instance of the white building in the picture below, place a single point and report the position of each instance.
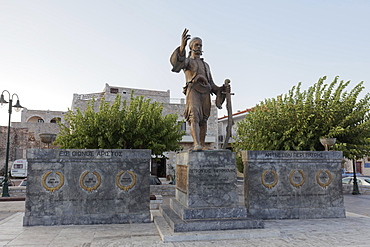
(222, 125)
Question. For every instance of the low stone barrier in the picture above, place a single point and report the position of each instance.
(164, 189)
(87, 186)
(155, 201)
(15, 191)
(293, 184)
(348, 188)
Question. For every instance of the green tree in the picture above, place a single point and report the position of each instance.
(298, 119)
(138, 124)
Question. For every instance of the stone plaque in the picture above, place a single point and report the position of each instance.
(87, 186)
(182, 178)
(293, 184)
(210, 179)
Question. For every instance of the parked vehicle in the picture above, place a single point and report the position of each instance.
(19, 169)
(154, 180)
(360, 180)
(23, 183)
(10, 183)
(350, 174)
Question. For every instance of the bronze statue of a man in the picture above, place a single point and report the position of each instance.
(198, 89)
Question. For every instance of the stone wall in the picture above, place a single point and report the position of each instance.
(15, 191)
(87, 186)
(34, 129)
(23, 136)
(293, 184)
(18, 143)
(348, 188)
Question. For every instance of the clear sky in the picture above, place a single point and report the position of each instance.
(50, 50)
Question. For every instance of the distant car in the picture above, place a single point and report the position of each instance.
(154, 180)
(10, 183)
(23, 183)
(350, 174)
(360, 180)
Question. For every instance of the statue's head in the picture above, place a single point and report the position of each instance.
(195, 46)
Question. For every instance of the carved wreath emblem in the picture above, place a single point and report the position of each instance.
(269, 185)
(297, 185)
(52, 189)
(95, 187)
(330, 178)
(126, 187)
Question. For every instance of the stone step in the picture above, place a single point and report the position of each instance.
(180, 225)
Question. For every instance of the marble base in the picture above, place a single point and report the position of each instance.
(206, 196)
(210, 224)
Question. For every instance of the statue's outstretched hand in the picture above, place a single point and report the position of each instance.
(184, 40)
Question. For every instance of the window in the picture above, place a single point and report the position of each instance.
(18, 166)
(183, 126)
(221, 138)
(114, 90)
(40, 120)
(55, 120)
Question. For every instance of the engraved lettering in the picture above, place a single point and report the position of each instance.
(64, 153)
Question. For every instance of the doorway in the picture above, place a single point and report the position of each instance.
(158, 167)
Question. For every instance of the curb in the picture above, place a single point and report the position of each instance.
(7, 199)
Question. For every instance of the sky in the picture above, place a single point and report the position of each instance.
(50, 50)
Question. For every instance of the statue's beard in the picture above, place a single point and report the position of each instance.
(197, 52)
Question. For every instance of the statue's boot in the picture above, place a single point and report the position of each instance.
(197, 147)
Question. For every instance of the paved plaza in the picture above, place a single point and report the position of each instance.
(354, 230)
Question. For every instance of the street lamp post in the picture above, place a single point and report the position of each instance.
(17, 107)
(355, 190)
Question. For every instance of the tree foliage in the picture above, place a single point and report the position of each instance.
(138, 124)
(298, 119)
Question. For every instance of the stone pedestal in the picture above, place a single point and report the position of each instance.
(293, 184)
(206, 196)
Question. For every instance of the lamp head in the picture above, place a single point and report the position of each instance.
(2, 100)
(17, 106)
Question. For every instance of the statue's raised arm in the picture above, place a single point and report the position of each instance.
(184, 41)
(178, 56)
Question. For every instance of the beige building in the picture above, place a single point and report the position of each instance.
(25, 134)
(362, 166)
